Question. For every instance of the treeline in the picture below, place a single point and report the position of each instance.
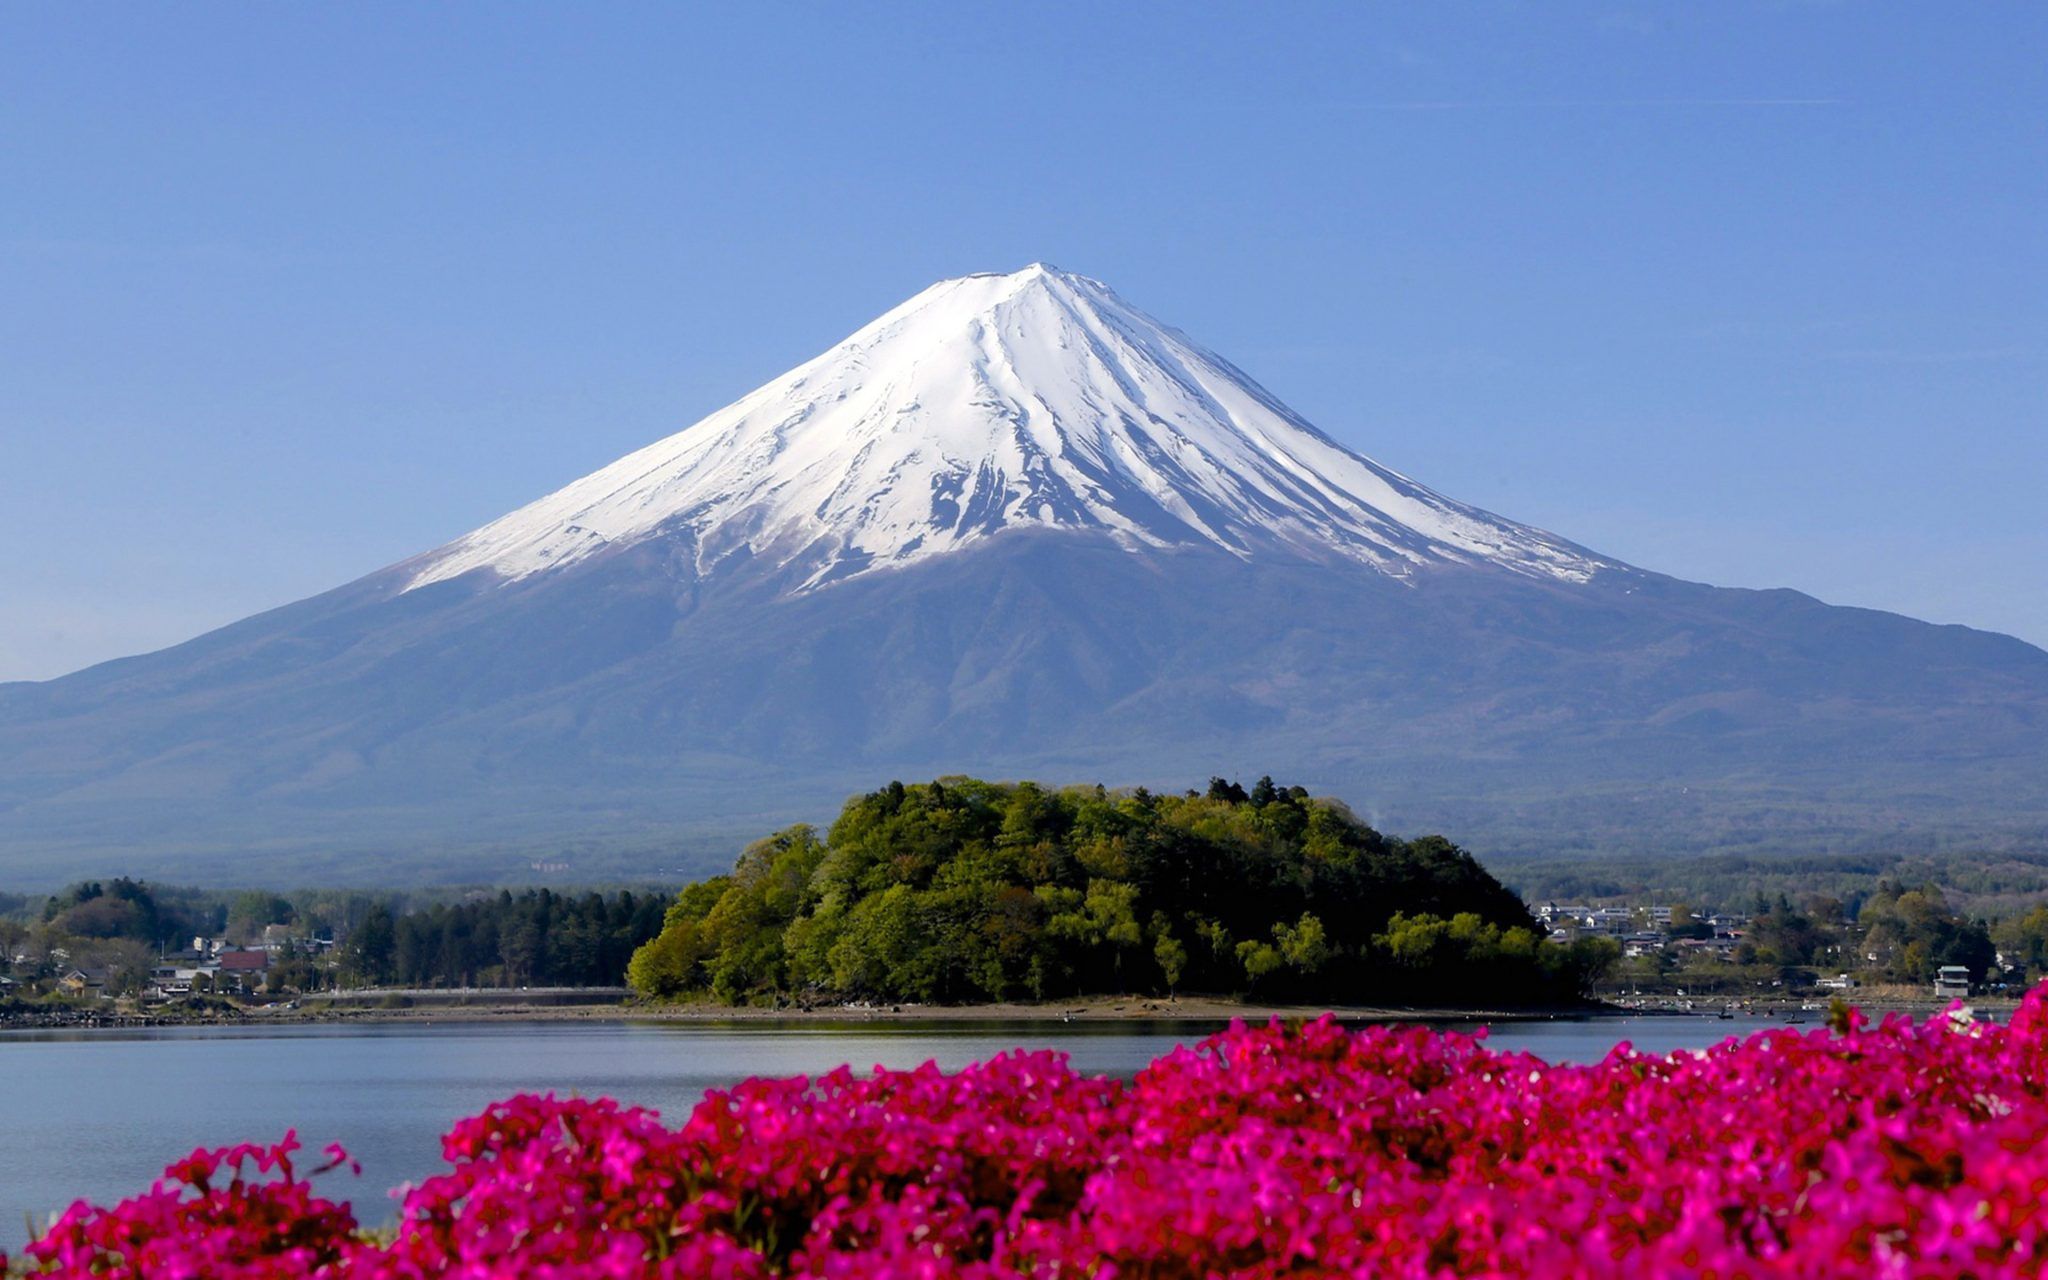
(963, 890)
(1911, 932)
(321, 939)
(536, 938)
(135, 910)
(1892, 932)
(1976, 884)
(1896, 932)
(169, 917)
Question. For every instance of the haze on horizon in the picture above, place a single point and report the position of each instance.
(1753, 295)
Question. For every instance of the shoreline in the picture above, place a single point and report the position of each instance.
(1104, 1011)
(1100, 1011)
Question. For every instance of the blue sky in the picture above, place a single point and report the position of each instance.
(1751, 294)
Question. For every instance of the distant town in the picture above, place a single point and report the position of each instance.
(1899, 940)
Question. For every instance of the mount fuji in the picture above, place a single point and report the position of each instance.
(1014, 526)
(992, 403)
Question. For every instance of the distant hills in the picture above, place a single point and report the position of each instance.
(1012, 527)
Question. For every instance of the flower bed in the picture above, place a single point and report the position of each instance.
(1892, 1150)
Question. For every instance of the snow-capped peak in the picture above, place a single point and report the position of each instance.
(1037, 399)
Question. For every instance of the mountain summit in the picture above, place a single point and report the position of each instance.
(1038, 399)
(1014, 527)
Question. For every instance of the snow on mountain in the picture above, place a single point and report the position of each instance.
(996, 402)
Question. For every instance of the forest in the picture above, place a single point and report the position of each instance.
(961, 890)
(535, 938)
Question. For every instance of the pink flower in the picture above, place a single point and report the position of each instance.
(1896, 1149)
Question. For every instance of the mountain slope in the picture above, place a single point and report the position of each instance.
(1012, 528)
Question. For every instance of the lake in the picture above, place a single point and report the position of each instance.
(98, 1114)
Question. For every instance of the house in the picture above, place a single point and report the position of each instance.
(244, 968)
(84, 982)
(168, 981)
(1611, 921)
(1718, 947)
(1952, 981)
(1840, 982)
(1642, 943)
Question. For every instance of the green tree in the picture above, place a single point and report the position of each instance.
(1259, 960)
(253, 909)
(2024, 941)
(1168, 953)
(368, 953)
(666, 966)
(1304, 945)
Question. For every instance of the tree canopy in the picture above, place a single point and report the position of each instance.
(963, 890)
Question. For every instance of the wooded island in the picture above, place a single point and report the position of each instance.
(961, 890)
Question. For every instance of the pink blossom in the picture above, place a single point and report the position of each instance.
(1895, 1149)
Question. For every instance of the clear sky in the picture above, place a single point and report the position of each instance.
(1751, 294)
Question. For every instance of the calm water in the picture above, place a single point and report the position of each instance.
(99, 1113)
